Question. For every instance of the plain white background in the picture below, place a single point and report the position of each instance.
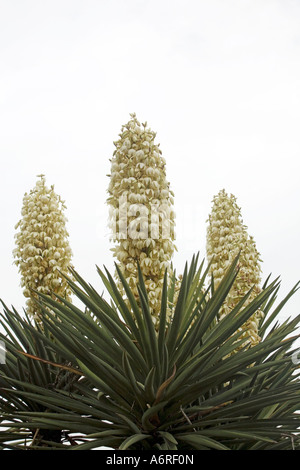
(218, 80)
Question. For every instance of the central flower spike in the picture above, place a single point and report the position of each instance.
(227, 237)
(141, 210)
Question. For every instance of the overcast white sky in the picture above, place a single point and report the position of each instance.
(218, 80)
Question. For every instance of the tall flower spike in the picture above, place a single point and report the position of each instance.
(226, 237)
(141, 210)
(43, 249)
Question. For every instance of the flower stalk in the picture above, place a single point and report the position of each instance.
(42, 251)
(227, 237)
(141, 214)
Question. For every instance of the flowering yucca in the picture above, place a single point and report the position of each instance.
(226, 237)
(141, 209)
(43, 249)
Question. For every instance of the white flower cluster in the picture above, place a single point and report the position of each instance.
(226, 237)
(43, 249)
(141, 209)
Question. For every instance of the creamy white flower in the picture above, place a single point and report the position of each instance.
(139, 174)
(43, 249)
(226, 237)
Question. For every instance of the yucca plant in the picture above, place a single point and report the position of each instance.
(139, 387)
(24, 340)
